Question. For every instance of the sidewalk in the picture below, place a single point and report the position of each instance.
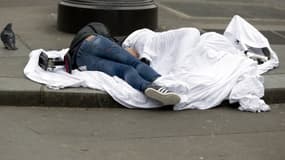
(37, 29)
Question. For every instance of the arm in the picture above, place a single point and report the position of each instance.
(134, 53)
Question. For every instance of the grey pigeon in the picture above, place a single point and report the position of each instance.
(8, 37)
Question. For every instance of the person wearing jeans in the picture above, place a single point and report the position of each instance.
(98, 53)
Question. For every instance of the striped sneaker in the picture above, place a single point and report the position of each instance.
(162, 95)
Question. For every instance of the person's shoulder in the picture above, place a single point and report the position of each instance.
(135, 34)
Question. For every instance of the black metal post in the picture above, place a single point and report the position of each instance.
(120, 16)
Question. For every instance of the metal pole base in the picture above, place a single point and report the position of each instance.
(121, 16)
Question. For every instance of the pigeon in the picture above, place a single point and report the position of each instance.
(8, 37)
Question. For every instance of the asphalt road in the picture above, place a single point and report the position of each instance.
(223, 133)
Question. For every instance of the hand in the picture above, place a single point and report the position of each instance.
(146, 61)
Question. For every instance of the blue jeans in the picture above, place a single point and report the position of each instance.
(102, 54)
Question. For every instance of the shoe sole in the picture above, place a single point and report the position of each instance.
(165, 99)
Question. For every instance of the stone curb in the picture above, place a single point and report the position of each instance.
(32, 94)
(274, 88)
(80, 97)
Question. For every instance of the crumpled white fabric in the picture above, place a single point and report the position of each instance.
(56, 80)
(203, 69)
(240, 29)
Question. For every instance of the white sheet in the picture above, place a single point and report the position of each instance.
(240, 29)
(203, 70)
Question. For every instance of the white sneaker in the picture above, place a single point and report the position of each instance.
(162, 95)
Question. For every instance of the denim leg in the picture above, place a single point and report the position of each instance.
(105, 48)
(110, 67)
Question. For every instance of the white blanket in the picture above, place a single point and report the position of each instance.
(204, 70)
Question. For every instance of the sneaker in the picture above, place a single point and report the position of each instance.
(162, 95)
